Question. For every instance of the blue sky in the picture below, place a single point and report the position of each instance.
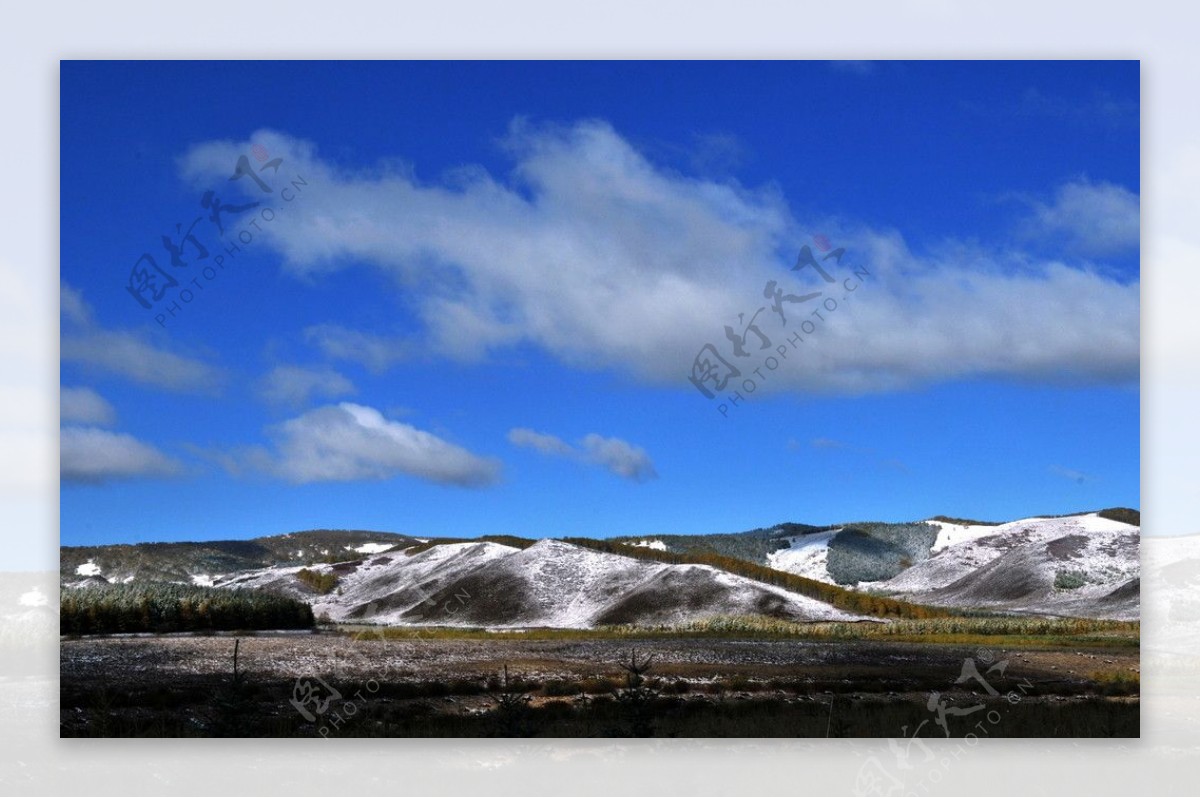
(478, 310)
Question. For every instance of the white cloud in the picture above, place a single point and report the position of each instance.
(1092, 218)
(72, 306)
(294, 386)
(85, 406)
(348, 442)
(618, 456)
(600, 257)
(376, 352)
(546, 444)
(96, 456)
(128, 354)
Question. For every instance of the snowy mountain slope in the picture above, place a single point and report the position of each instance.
(967, 549)
(1081, 565)
(202, 563)
(950, 534)
(1071, 574)
(805, 555)
(550, 584)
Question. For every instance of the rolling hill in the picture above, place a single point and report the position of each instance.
(204, 563)
(549, 584)
(1083, 565)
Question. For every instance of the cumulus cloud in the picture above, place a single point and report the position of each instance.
(620, 457)
(96, 456)
(128, 354)
(349, 442)
(604, 259)
(85, 406)
(1092, 218)
(546, 444)
(375, 352)
(294, 386)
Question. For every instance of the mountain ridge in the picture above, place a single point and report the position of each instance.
(1079, 565)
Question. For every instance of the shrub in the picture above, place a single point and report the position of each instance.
(558, 687)
(598, 684)
(946, 519)
(1116, 682)
(1069, 580)
(168, 607)
(320, 581)
(1122, 514)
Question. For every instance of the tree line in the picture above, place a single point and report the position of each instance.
(839, 597)
(167, 607)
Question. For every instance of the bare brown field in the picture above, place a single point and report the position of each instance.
(186, 686)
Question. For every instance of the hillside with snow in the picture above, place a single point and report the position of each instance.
(205, 563)
(1082, 565)
(548, 584)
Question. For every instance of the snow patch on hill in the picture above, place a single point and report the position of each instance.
(954, 534)
(88, 568)
(371, 548)
(657, 545)
(806, 555)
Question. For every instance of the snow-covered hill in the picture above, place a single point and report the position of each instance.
(806, 555)
(548, 584)
(1080, 565)
(204, 563)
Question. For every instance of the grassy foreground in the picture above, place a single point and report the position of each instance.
(1027, 632)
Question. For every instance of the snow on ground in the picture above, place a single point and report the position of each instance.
(398, 584)
(650, 544)
(570, 584)
(88, 568)
(575, 587)
(202, 580)
(373, 548)
(805, 556)
(960, 549)
(953, 534)
(548, 584)
(1098, 553)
